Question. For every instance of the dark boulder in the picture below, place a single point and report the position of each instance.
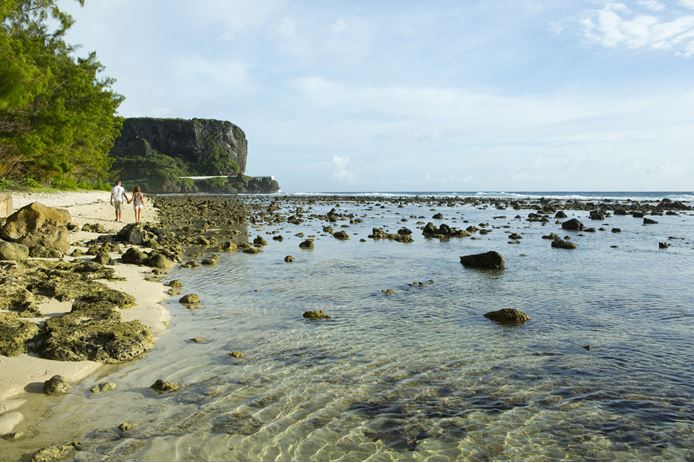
(508, 316)
(485, 260)
(56, 385)
(572, 224)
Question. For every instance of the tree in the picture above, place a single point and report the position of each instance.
(57, 113)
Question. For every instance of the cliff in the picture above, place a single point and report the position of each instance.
(203, 146)
(162, 154)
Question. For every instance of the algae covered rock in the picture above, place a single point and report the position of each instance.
(306, 244)
(191, 299)
(563, 244)
(316, 315)
(103, 387)
(134, 256)
(13, 251)
(236, 354)
(289, 259)
(56, 385)
(94, 332)
(486, 260)
(508, 316)
(14, 334)
(159, 261)
(162, 386)
(341, 235)
(59, 452)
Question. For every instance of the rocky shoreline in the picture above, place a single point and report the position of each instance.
(192, 231)
(66, 307)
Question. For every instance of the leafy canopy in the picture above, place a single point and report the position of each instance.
(57, 113)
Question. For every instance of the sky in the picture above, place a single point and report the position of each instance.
(464, 95)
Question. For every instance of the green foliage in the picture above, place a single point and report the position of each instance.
(57, 114)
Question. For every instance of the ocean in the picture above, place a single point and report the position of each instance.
(602, 371)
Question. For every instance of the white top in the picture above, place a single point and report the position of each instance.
(117, 193)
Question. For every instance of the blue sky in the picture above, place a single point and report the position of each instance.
(404, 95)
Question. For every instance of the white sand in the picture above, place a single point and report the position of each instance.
(24, 373)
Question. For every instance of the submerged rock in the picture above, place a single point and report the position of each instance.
(316, 315)
(14, 334)
(162, 386)
(306, 244)
(236, 423)
(236, 354)
(563, 244)
(508, 316)
(191, 299)
(647, 221)
(56, 385)
(485, 260)
(289, 259)
(103, 387)
(59, 452)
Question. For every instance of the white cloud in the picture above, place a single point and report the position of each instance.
(615, 25)
(340, 166)
(687, 3)
(653, 5)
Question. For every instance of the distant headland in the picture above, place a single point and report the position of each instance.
(186, 156)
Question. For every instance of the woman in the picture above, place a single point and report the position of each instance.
(138, 200)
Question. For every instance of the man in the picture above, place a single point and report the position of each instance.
(117, 197)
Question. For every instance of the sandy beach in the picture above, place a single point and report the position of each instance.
(22, 376)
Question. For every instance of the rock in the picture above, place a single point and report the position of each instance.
(56, 385)
(663, 245)
(486, 260)
(190, 299)
(289, 259)
(551, 236)
(404, 231)
(616, 230)
(437, 216)
(597, 215)
(94, 228)
(103, 387)
(190, 264)
(159, 261)
(647, 221)
(125, 426)
(507, 316)
(572, 224)
(134, 256)
(198, 340)
(211, 260)
(13, 251)
(306, 244)
(228, 246)
(563, 244)
(341, 235)
(57, 452)
(162, 386)
(236, 354)
(38, 225)
(14, 334)
(94, 331)
(175, 287)
(637, 214)
(259, 241)
(316, 315)
(560, 215)
(388, 292)
(102, 258)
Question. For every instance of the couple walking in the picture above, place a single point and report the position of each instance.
(117, 197)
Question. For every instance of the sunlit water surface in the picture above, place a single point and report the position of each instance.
(420, 374)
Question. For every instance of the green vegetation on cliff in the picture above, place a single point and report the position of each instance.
(57, 113)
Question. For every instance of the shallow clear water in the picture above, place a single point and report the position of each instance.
(421, 374)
